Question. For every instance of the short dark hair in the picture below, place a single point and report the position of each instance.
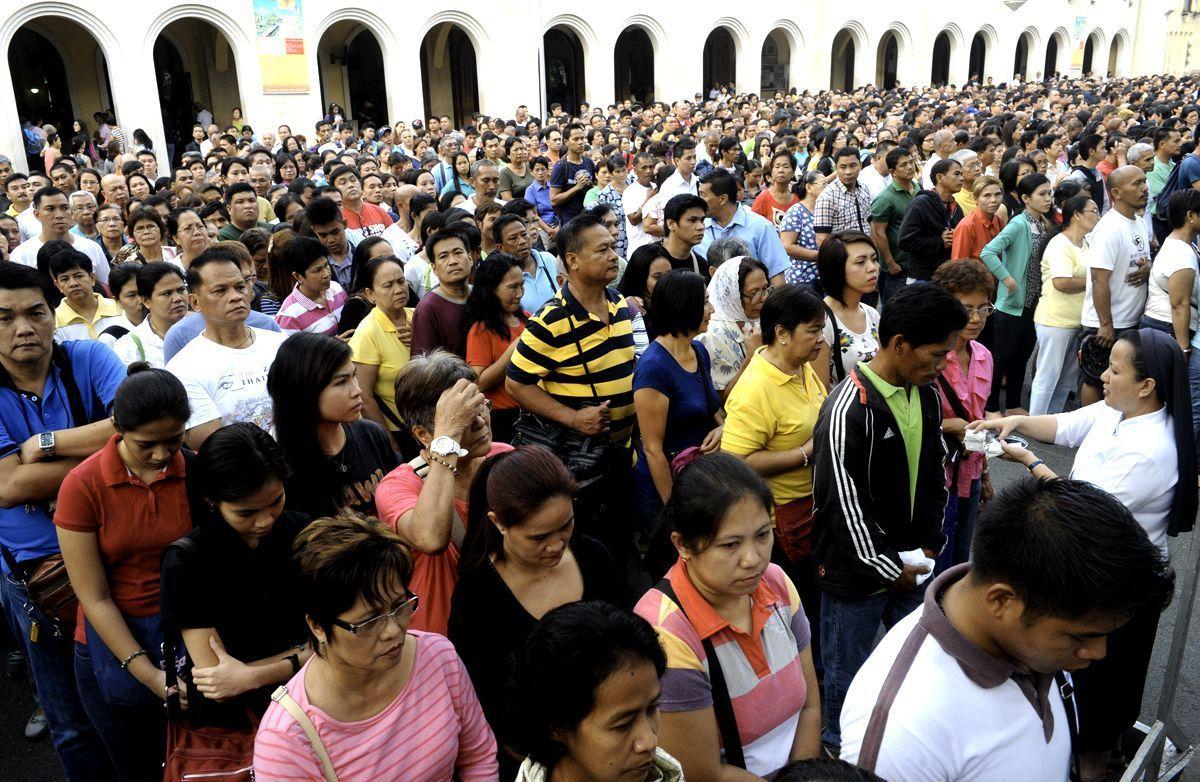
(570, 236)
(678, 206)
(301, 253)
(342, 171)
(1180, 203)
(721, 182)
(1069, 549)
(322, 211)
(230, 162)
(46, 192)
(16, 276)
(65, 259)
(238, 189)
(941, 168)
(209, 256)
(823, 770)
(561, 664)
(921, 313)
(147, 395)
(441, 236)
(677, 305)
(505, 220)
(846, 152)
(704, 492)
(1088, 144)
(149, 275)
(788, 306)
(831, 261)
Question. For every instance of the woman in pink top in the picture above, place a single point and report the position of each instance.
(968, 376)
(386, 702)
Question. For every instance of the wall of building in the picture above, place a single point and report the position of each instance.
(506, 36)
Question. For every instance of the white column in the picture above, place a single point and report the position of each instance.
(748, 77)
(12, 141)
(599, 75)
(960, 62)
(135, 101)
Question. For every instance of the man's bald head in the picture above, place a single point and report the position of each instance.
(404, 194)
(1128, 186)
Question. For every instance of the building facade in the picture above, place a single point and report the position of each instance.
(285, 61)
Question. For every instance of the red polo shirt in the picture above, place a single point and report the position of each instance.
(133, 523)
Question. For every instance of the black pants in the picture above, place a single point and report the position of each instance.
(1109, 691)
(604, 508)
(1012, 346)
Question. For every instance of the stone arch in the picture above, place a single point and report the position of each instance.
(450, 83)
(351, 70)
(945, 47)
(848, 53)
(1094, 49)
(791, 71)
(635, 53)
(1057, 52)
(897, 69)
(1118, 50)
(566, 52)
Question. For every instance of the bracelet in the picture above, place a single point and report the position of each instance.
(1034, 465)
(133, 656)
(439, 460)
(294, 659)
(805, 455)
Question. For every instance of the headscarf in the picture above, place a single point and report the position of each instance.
(725, 293)
(1164, 363)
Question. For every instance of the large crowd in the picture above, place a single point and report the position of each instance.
(601, 446)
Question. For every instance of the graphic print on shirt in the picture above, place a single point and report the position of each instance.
(252, 405)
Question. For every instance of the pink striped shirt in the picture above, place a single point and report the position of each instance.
(434, 730)
(300, 313)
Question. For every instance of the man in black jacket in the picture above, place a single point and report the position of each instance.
(928, 228)
(879, 484)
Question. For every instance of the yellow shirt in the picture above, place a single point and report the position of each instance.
(770, 410)
(966, 201)
(1061, 258)
(69, 324)
(376, 343)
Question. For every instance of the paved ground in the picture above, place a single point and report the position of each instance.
(24, 761)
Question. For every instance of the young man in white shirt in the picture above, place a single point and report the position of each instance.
(1118, 267)
(635, 198)
(964, 689)
(225, 368)
(52, 209)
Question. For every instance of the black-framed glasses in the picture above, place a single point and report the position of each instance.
(375, 624)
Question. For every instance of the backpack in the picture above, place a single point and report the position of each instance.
(33, 142)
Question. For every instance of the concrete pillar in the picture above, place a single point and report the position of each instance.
(599, 74)
(748, 77)
(12, 142)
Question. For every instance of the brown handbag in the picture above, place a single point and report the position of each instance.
(50, 589)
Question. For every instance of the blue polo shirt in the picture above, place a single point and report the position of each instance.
(756, 231)
(28, 530)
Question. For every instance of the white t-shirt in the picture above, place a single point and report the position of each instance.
(632, 200)
(26, 254)
(419, 274)
(1174, 255)
(403, 246)
(853, 347)
(227, 383)
(945, 727)
(28, 226)
(1119, 245)
(1134, 460)
(147, 346)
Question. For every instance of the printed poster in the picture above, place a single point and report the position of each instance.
(1079, 39)
(279, 29)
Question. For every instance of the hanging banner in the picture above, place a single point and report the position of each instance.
(1079, 39)
(279, 28)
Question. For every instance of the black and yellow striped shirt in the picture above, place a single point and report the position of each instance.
(578, 359)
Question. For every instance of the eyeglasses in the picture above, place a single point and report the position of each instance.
(984, 311)
(754, 295)
(375, 624)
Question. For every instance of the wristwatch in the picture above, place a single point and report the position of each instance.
(46, 443)
(446, 446)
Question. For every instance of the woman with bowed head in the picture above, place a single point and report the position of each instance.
(383, 701)
(337, 457)
(521, 559)
(736, 291)
(382, 340)
(231, 587)
(115, 514)
(849, 266)
(494, 319)
(427, 500)
(646, 267)
(677, 406)
(163, 294)
(724, 600)
(584, 702)
(1138, 446)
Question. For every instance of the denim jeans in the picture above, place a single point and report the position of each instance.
(1012, 345)
(848, 630)
(51, 663)
(891, 284)
(1194, 382)
(958, 525)
(134, 736)
(1057, 369)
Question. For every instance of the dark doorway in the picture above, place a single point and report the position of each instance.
(633, 60)
(368, 87)
(1021, 60)
(449, 76)
(888, 61)
(940, 74)
(40, 82)
(841, 68)
(174, 97)
(564, 69)
(1051, 66)
(978, 59)
(1089, 50)
(720, 60)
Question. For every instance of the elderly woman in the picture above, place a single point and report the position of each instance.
(1138, 446)
(736, 292)
(426, 500)
(378, 699)
(149, 233)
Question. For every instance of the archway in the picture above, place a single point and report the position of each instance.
(978, 59)
(55, 78)
(776, 60)
(720, 60)
(449, 75)
(887, 61)
(1021, 60)
(350, 66)
(1115, 50)
(1089, 52)
(564, 68)
(194, 63)
(633, 61)
(841, 67)
(1052, 51)
(940, 73)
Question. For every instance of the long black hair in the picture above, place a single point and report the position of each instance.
(482, 304)
(304, 365)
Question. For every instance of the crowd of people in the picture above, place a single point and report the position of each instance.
(601, 446)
